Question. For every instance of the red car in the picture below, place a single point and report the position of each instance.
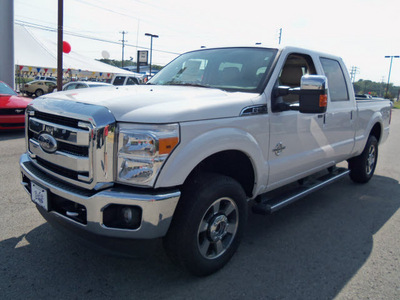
(12, 108)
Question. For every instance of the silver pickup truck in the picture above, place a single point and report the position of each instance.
(180, 157)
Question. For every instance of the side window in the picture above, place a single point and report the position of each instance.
(71, 87)
(295, 67)
(131, 81)
(336, 81)
(119, 80)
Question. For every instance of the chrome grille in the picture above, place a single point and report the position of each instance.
(81, 144)
(57, 119)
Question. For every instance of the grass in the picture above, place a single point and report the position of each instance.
(397, 105)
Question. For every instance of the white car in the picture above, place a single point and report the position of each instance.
(51, 78)
(82, 85)
(123, 79)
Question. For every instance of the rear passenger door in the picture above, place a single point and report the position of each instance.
(339, 125)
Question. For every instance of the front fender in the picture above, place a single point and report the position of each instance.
(199, 142)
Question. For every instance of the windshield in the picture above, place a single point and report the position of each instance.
(6, 90)
(232, 69)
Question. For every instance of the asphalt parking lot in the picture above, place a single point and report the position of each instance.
(342, 242)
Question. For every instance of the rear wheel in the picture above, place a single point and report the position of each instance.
(208, 224)
(39, 92)
(362, 167)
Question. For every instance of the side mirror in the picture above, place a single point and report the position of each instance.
(313, 94)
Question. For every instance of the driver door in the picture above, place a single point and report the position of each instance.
(298, 146)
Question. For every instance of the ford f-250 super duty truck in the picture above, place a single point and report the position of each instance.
(180, 157)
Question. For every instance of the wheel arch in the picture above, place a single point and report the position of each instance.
(376, 131)
(238, 156)
(231, 163)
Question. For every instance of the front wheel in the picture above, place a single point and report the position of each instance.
(208, 224)
(362, 167)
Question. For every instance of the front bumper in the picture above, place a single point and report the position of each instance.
(157, 208)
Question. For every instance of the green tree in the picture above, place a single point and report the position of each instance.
(376, 89)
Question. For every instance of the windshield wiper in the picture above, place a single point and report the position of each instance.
(188, 84)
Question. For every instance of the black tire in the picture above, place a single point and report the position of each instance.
(208, 224)
(362, 167)
(39, 92)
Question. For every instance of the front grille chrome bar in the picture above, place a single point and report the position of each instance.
(83, 147)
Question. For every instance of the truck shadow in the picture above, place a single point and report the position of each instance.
(309, 250)
(12, 134)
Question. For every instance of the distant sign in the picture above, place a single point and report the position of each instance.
(143, 57)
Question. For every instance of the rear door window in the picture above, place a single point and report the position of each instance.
(336, 80)
(131, 81)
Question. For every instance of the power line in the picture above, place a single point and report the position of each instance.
(52, 29)
(107, 9)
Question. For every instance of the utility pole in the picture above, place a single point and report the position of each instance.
(123, 46)
(280, 35)
(60, 45)
(353, 73)
(390, 70)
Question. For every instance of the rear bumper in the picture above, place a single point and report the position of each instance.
(157, 208)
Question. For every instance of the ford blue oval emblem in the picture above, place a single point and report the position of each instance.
(47, 142)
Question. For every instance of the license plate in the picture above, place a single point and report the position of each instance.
(39, 195)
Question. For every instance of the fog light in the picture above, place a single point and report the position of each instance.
(122, 216)
(128, 215)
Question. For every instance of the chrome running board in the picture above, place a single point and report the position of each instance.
(265, 204)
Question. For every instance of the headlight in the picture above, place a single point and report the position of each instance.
(142, 150)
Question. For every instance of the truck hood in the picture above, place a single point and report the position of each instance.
(161, 104)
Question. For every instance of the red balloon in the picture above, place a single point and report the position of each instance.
(66, 47)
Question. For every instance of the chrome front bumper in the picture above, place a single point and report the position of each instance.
(157, 208)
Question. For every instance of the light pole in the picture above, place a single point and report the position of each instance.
(151, 47)
(390, 70)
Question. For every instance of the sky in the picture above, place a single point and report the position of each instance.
(362, 32)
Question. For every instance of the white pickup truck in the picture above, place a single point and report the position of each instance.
(180, 157)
